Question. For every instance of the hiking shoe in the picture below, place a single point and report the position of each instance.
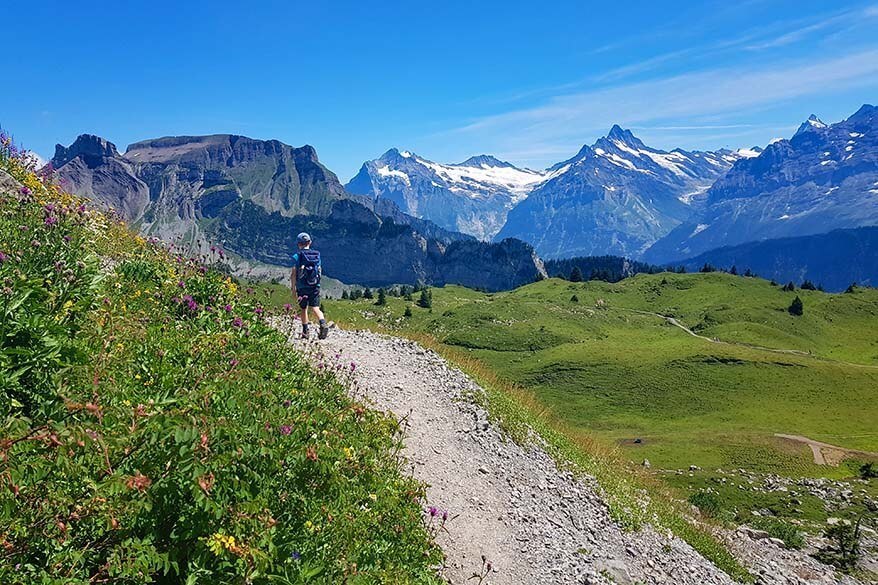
(324, 331)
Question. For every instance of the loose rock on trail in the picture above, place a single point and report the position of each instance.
(536, 524)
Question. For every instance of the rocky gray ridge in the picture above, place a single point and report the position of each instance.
(472, 197)
(616, 197)
(823, 178)
(252, 197)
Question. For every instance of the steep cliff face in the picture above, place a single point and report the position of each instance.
(823, 178)
(253, 197)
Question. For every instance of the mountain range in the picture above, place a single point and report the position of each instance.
(253, 196)
(472, 197)
(474, 222)
(823, 178)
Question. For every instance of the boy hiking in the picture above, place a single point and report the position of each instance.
(305, 284)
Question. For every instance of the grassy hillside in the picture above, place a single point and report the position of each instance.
(153, 428)
(607, 364)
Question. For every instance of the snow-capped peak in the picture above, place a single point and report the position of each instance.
(483, 161)
(811, 124)
(752, 152)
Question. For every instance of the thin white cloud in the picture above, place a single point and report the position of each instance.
(566, 119)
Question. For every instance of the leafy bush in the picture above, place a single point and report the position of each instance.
(154, 428)
(777, 528)
(708, 503)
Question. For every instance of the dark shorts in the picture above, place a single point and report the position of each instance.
(309, 297)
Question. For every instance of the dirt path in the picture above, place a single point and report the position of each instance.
(535, 523)
(824, 453)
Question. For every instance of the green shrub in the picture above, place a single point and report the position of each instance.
(708, 503)
(777, 528)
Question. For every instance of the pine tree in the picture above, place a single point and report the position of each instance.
(382, 298)
(576, 274)
(408, 312)
(574, 299)
(681, 270)
(345, 296)
(707, 268)
(733, 270)
(789, 287)
(426, 300)
(367, 293)
(808, 285)
(749, 273)
(797, 308)
(851, 289)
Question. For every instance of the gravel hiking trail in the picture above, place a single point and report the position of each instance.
(824, 453)
(534, 523)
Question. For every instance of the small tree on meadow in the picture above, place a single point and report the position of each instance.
(408, 312)
(345, 296)
(797, 308)
(426, 299)
(576, 274)
(808, 285)
(852, 288)
(789, 287)
(574, 299)
(382, 298)
(367, 293)
(733, 270)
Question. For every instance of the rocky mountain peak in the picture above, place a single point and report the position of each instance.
(484, 160)
(811, 124)
(86, 145)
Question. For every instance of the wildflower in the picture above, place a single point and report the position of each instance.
(444, 515)
(233, 362)
(228, 308)
(286, 429)
(238, 322)
(35, 243)
(286, 403)
(296, 555)
(287, 307)
(433, 511)
(25, 191)
(259, 310)
(138, 482)
(67, 238)
(3, 257)
(181, 284)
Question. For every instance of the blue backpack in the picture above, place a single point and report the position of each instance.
(308, 268)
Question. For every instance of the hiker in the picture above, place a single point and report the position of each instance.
(305, 284)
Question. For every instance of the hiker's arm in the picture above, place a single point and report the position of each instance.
(293, 281)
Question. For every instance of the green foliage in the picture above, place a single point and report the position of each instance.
(382, 298)
(707, 503)
(408, 311)
(576, 274)
(797, 308)
(868, 470)
(844, 548)
(778, 528)
(154, 428)
(367, 294)
(574, 299)
(426, 299)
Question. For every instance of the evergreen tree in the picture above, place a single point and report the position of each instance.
(382, 298)
(356, 294)
(574, 299)
(426, 299)
(681, 270)
(789, 287)
(408, 312)
(749, 273)
(733, 270)
(707, 268)
(773, 282)
(808, 285)
(407, 296)
(345, 296)
(367, 293)
(851, 289)
(576, 274)
(797, 308)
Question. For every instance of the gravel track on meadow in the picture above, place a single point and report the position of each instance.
(534, 523)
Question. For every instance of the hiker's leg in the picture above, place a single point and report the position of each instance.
(318, 313)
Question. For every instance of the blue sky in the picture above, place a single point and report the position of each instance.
(528, 82)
